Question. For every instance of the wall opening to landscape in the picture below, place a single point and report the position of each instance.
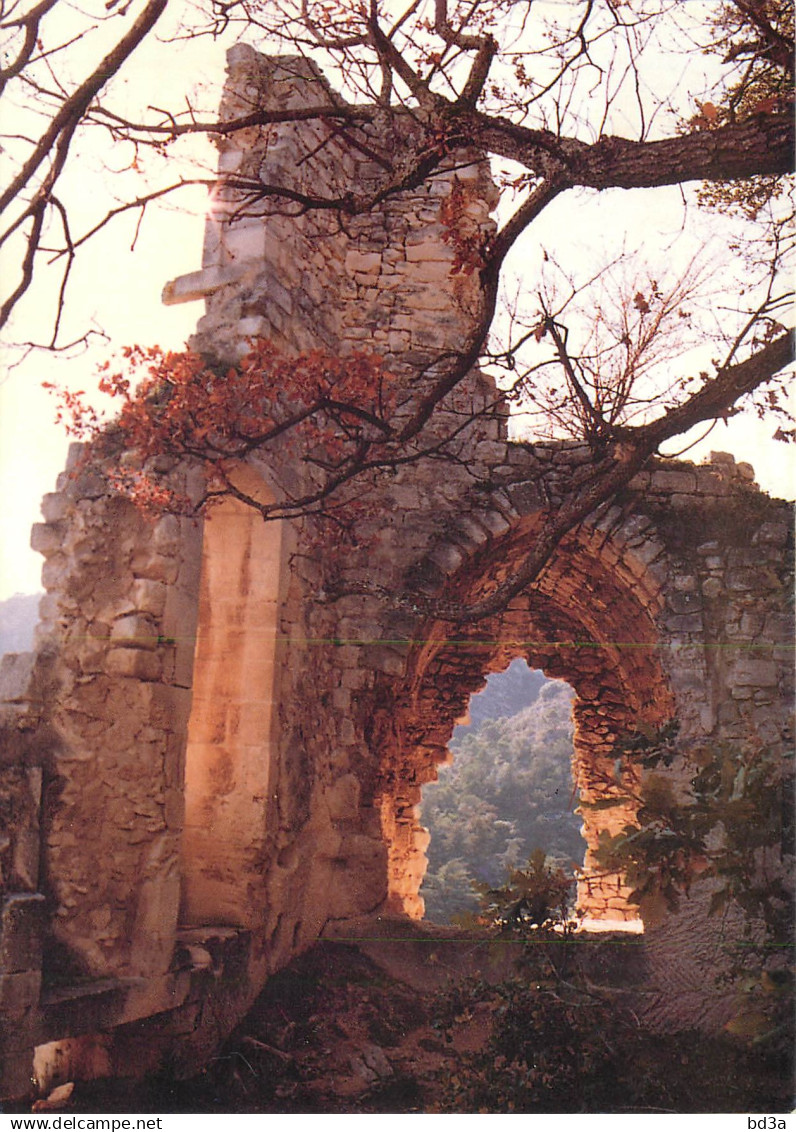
(229, 750)
(508, 791)
(591, 620)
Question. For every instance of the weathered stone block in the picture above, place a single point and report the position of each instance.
(16, 676)
(54, 506)
(16, 1063)
(427, 250)
(134, 663)
(751, 624)
(778, 627)
(366, 263)
(47, 538)
(343, 798)
(674, 481)
(174, 809)
(496, 523)
(685, 602)
(147, 563)
(254, 326)
(166, 535)
(149, 596)
(243, 241)
(54, 572)
(198, 284)
(19, 993)
(741, 580)
(341, 699)
(135, 632)
(685, 583)
(25, 856)
(647, 552)
(771, 534)
(755, 672)
(384, 659)
(447, 557)
(688, 623)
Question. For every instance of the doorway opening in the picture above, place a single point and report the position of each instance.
(507, 792)
(591, 620)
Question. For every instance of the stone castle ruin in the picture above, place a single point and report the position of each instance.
(208, 763)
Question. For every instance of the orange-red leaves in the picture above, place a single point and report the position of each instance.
(462, 231)
(175, 403)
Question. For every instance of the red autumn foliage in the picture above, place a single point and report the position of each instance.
(323, 410)
(462, 231)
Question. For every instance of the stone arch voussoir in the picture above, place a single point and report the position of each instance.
(591, 619)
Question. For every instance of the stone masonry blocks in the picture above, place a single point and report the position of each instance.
(220, 743)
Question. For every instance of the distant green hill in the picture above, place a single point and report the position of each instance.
(19, 616)
(509, 790)
(506, 694)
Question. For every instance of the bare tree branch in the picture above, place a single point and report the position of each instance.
(65, 121)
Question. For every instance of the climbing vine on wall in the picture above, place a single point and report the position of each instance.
(735, 828)
(736, 832)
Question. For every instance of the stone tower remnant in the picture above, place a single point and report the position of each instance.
(208, 763)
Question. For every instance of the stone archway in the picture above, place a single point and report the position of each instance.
(592, 621)
(506, 793)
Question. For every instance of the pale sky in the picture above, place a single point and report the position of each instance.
(111, 287)
(122, 292)
(126, 292)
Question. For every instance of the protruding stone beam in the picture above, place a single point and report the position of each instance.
(199, 284)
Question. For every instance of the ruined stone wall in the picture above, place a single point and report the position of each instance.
(210, 759)
(121, 607)
(97, 729)
(379, 282)
(632, 613)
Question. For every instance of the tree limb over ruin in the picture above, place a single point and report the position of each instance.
(536, 88)
(449, 74)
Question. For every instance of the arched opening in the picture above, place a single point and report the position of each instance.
(507, 792)
(590, 620)
(229, 748)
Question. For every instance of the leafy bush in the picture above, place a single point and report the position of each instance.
(564, 1045)
(736, 827)
(550, 1048)
(734, 831)
(536, 898)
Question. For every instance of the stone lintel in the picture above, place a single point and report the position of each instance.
(198, 284)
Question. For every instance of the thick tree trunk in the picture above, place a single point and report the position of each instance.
(763, 144)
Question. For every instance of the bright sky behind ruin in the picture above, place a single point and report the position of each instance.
(120, 292)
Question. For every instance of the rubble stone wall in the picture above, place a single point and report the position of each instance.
(218, 748)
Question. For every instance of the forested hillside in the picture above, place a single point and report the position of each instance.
(508, 792)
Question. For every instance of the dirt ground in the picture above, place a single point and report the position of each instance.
(426, 1019)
